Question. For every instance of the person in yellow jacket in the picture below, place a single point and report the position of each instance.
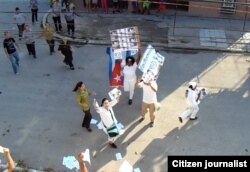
(82, 98)
(48, 33)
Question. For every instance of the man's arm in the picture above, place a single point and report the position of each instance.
(82, 166)
(10, 162)
(153, 86)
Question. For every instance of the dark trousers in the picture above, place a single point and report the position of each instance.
(68, 61)
(20, 30)
(51, 44)
(57, 22)
(71, 26)
(34, 15)
(31, 49)
(87, 118)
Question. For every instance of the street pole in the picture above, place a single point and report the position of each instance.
(245, 18)
(175, 18)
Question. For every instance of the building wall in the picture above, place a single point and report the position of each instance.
(210, 9)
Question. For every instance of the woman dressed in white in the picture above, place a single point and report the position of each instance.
(129, 73)
(108, 117)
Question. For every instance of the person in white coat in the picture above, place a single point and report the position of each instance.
(129, 73)
(192, 99)
(107, 116)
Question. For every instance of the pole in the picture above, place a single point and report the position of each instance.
(245, 18)
(175, 18)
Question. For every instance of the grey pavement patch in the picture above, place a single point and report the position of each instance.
(213, 38)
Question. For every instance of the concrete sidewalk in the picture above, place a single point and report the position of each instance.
(162, 30)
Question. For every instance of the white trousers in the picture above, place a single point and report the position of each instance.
(190, 112)
(130, 86)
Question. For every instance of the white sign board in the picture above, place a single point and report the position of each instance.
(115, 93)
(124, 39)
(151, 61)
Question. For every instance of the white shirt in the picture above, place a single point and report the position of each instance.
(191, 97)
(129, 72)
(20, 18)
(149, 95)
(106, 114)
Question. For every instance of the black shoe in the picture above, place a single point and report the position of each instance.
(83, 125)
(180, 119)
(89, 129)
(193, 118)
(130, 102)
(140, 120)
(113, 145)
(34, 56)
(151, 124)
(72, 68)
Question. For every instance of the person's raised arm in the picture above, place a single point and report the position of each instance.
(82, 166)
(10, 162)
(138, 59)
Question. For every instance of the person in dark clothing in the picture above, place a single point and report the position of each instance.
(69, 17)
(34, 9)
(10, 49)
(66, 51)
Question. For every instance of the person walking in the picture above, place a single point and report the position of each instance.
(104, 6)
(34, 9)
(20, 19)
(129, 73)
(10, 49)
(82, 99)
(29, 40)
(66, 51)
(108, 118)
(146, 6)
(192, 98)
(48, 32)
(56, 15)
(149, 98)
(69, 17)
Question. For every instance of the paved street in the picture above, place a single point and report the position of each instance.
(41, 123)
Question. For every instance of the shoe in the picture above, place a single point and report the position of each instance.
(16, 73)
(130, 102)
(72, 68)
(157, 106)
(34, 56)
(140, 120)
(193, 118)
(89, 129)
(83, 125)
(113, 145)
(151, 124)
(180, 119)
